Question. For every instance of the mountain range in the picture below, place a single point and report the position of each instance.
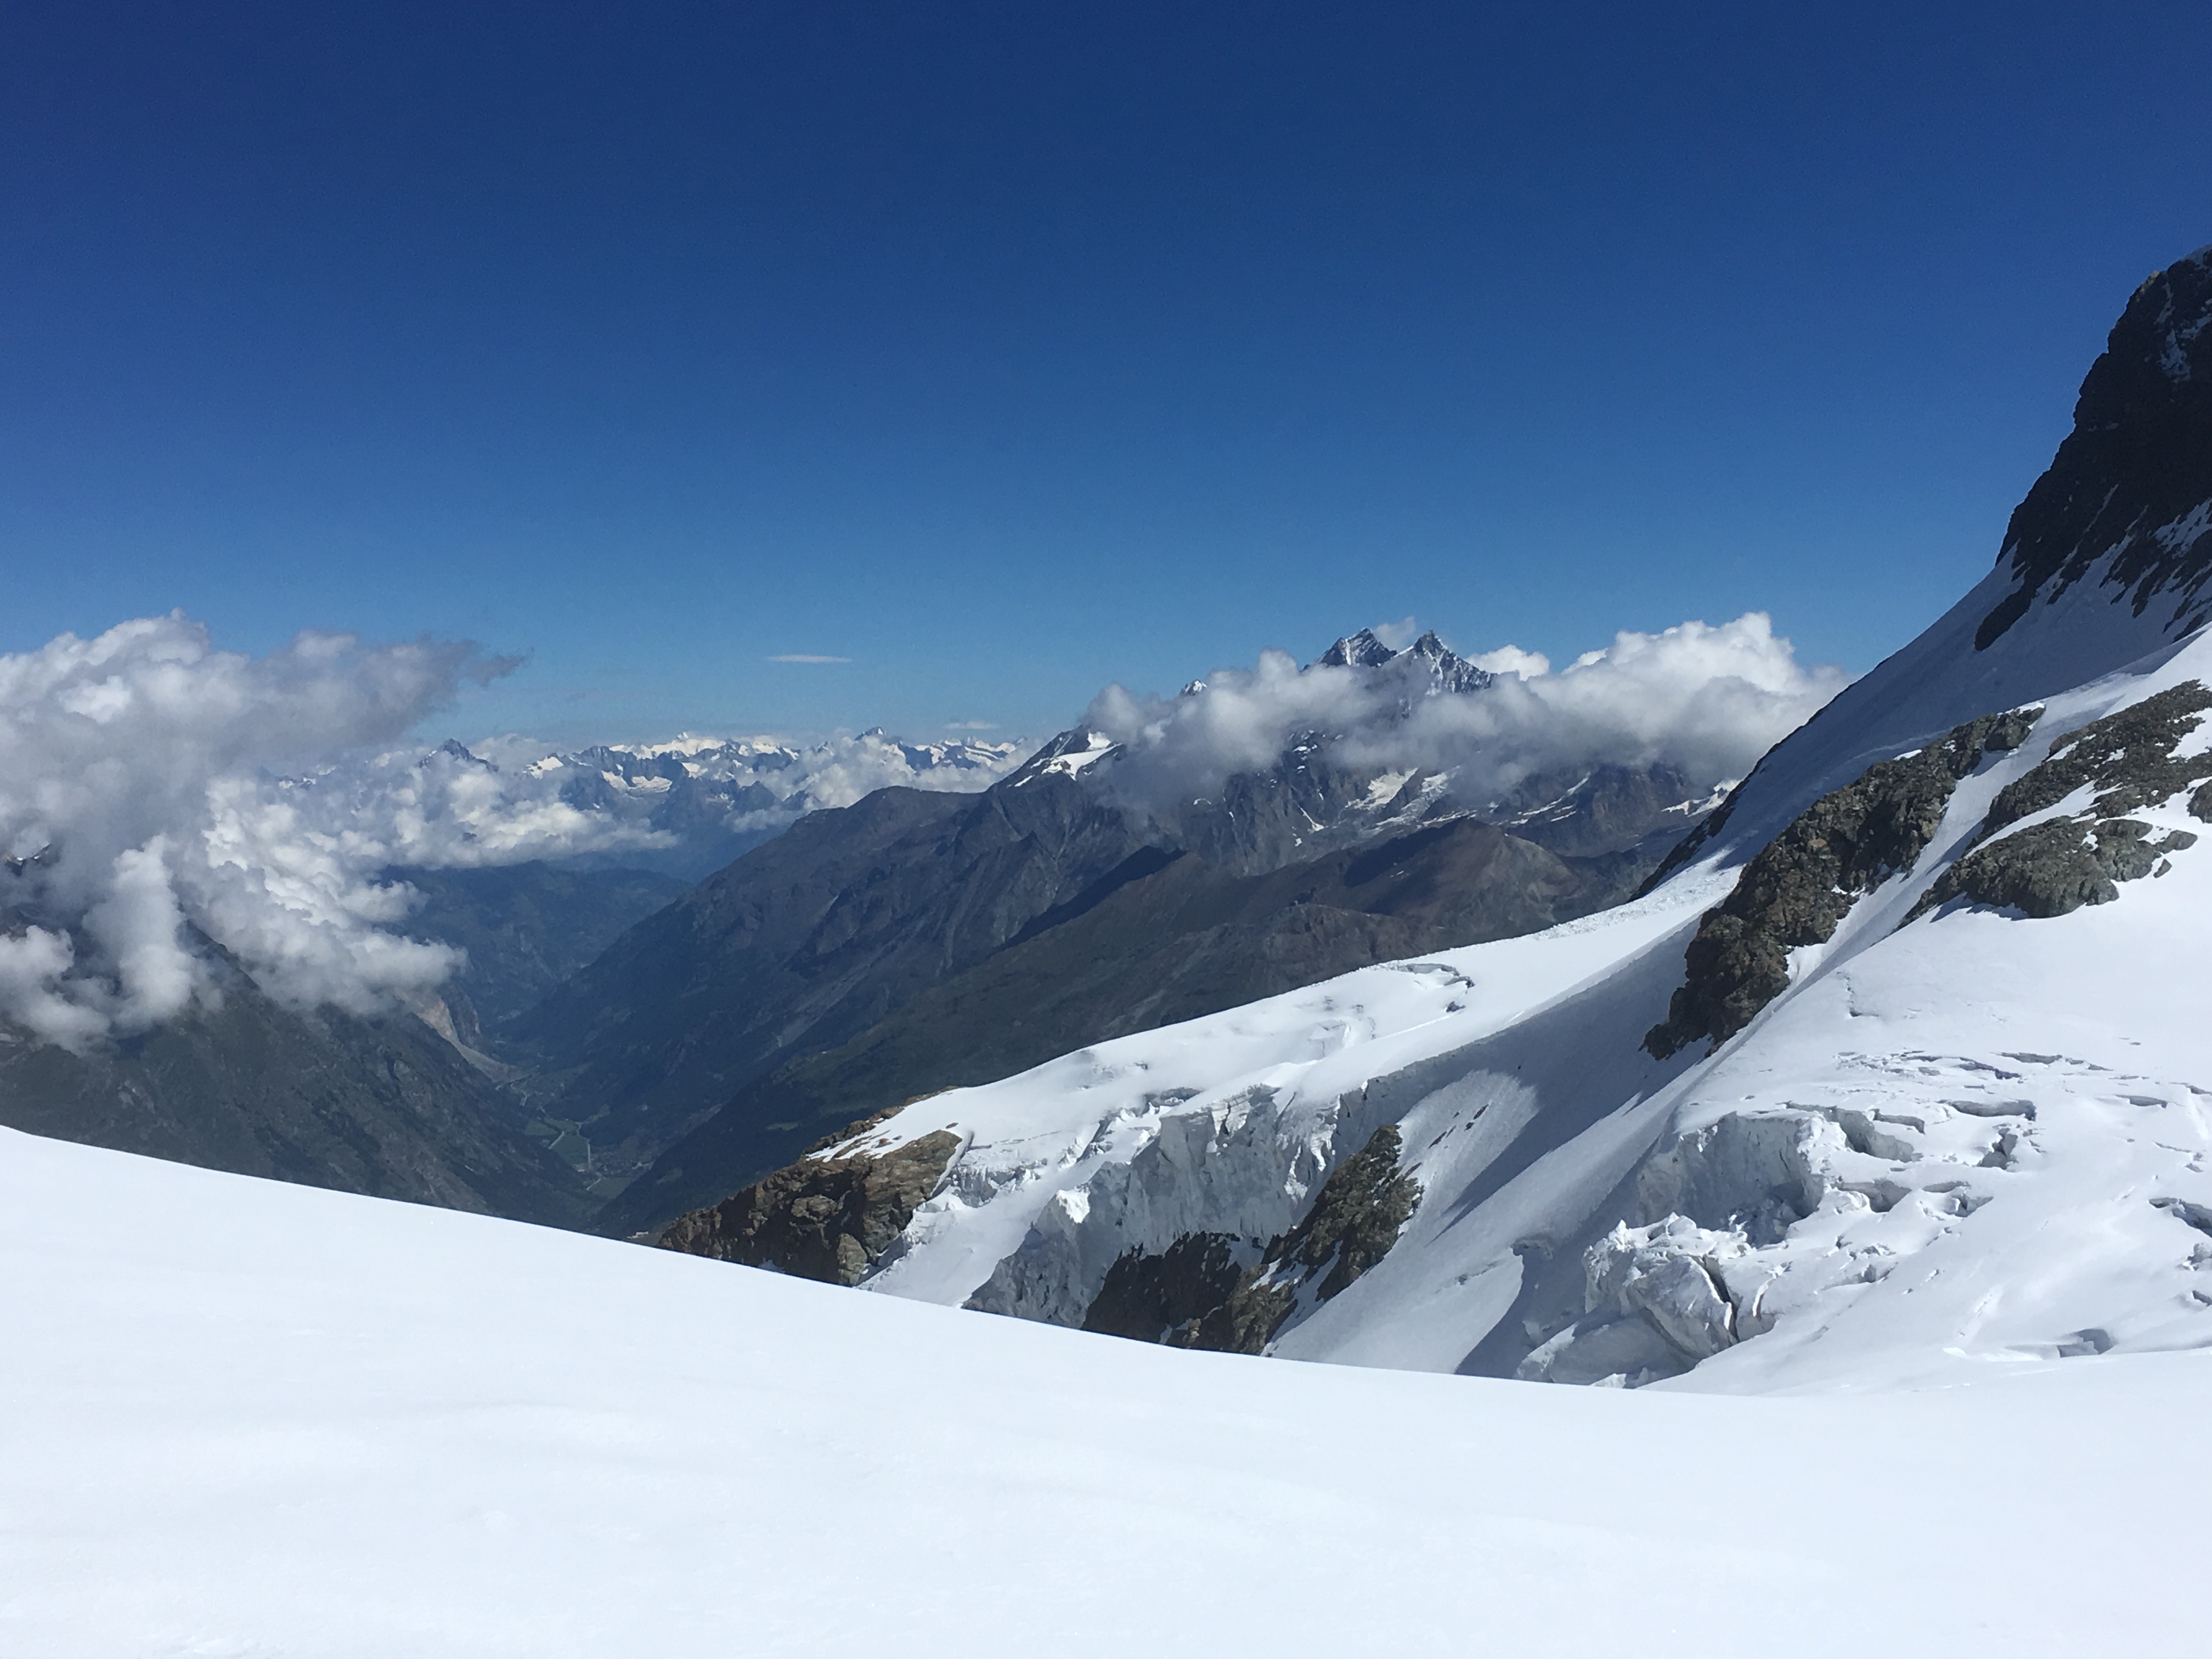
(1885, 1096)
(1893, 1072)
(1362, 1044)
(913, 943)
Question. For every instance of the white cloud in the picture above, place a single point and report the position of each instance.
(1512, 660)
(1708, 700)
(156, 792)
(802, 656)
(124, 762)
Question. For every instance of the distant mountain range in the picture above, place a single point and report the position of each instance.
(681, 808)
(413, 1102)
(1896, 1073)
(877, 920)
(916, 942)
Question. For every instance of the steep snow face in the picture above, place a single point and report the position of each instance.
(1222, 1124)
(250, 1418)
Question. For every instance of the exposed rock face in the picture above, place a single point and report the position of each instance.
(1362, 1209)
(2052, 868)
(1196, 1294)
(2055, 868)
(821, 1217)
(2134, 479)
(1805, 881)
(1147, 1297)
(2127, 756)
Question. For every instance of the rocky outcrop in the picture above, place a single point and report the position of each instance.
(2130, 489)
(1805, 881)
(2055, 868)
(1148, 1296)
(2128, 758)
(1195, 1295)
(824, 1218)
(2052, 868)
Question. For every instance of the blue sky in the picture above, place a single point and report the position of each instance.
(1007, 350)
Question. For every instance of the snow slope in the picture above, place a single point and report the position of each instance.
(247, 1418)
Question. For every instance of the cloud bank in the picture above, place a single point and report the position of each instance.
(129, 821)
(158, 796)
(1706, 699)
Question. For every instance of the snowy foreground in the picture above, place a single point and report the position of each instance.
(244, 1419)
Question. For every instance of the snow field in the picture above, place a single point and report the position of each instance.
(250, 1419)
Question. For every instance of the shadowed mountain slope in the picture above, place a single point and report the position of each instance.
(382, 1106)
(805, 942)
(1184, 938)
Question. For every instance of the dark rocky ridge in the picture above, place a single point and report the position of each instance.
(826, 1218)
(2129, 481)
(1805, 881)
(2053, 869)
(1198, 1294)
(2127, 757)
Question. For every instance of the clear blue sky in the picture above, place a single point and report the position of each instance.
(1009, 349)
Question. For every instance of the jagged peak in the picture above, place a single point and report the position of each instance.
(1361, 650)
(1430, 646)
(1447, 671)
(2126, 498)
(453, 749)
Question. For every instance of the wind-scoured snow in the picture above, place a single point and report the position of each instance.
(246, 1419)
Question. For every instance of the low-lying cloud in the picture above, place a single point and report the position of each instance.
(129, 818)
(158, 797)
(1708, 700)
(157, 794)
